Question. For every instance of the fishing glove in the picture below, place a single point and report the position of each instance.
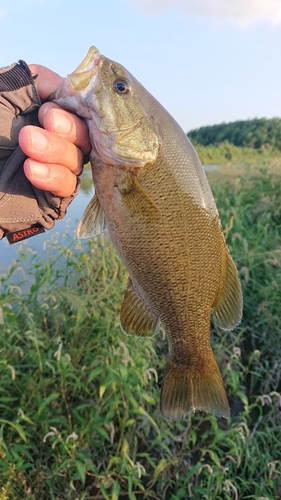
(24, 209)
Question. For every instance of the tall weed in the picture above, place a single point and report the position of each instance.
(79, 400)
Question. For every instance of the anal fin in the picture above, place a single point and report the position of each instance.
(93, 220)
(137, 317)
(227, 311)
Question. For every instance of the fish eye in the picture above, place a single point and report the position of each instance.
(121, 86)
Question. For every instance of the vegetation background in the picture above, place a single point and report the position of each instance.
(79, 401)
(252, 140)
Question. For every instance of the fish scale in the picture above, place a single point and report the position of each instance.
(154, 198)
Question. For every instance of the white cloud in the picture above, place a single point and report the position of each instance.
(2, 13)
(243, 11)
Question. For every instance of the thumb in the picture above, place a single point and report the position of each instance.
(47, 80)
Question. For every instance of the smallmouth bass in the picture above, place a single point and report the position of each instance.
(154, 198)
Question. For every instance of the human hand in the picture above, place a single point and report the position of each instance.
(55, 152)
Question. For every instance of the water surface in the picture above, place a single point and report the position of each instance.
(9, 253)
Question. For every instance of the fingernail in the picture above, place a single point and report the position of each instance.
(38, 170)
(62, 124)
(39, 141)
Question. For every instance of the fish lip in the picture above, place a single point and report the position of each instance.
(91, 60)
(80, 78)
(77, 83)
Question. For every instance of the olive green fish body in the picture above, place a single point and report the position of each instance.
(176, 257)
(163, 221)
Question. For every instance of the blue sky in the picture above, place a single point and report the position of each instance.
(206, 61)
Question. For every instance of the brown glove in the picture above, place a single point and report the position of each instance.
(24, 209)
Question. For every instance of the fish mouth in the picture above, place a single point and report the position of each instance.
(80, 78)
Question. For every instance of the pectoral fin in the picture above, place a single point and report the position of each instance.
(227, 312)
(136, 317)
(139, 187)
(93, 220)
(134, 194)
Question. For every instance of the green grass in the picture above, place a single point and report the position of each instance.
(79, 400)
(226, 153)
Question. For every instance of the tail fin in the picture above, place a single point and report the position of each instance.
(184, 391)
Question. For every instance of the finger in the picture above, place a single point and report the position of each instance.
(65, 124)
(46, 147)
(46, 81)
(52, 177)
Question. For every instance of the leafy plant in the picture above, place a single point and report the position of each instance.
(256, 133)
(79, 400)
